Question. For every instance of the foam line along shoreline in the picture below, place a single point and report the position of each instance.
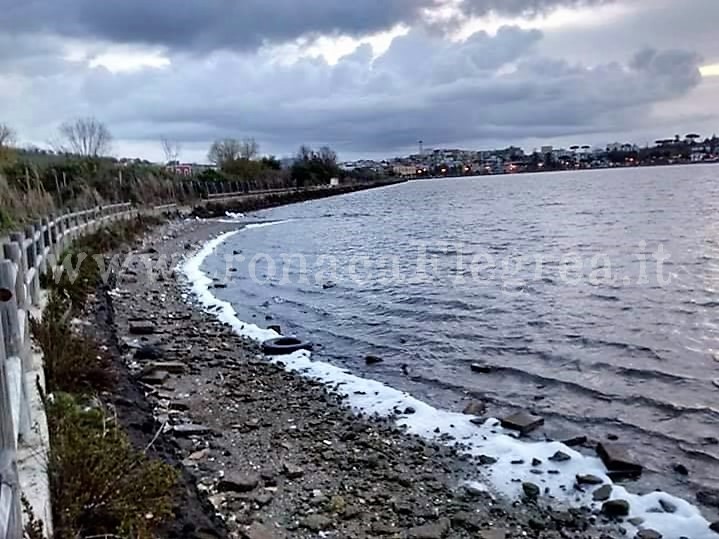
(505, 477)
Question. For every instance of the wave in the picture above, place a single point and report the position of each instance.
(372, 397)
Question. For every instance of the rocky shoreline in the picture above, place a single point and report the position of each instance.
(268, 454)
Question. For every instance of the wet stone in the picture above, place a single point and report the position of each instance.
(531, 491)
(615, 508)
(481, 368)
(602, 494)
(648, 534)
(589, 480)
(667, 506)
(617, 459)
(373, 360)
(523, 422)
(575, 442)
(560, 457)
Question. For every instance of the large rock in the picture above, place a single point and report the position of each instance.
(436, 530)
(714, 526)
(238, 482)
(524, 422)
(618, 461)
(616, 508)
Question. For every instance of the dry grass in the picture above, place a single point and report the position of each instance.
(18, 207)
(78, 285)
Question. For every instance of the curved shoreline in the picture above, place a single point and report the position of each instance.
(506, 477)
(276, 455)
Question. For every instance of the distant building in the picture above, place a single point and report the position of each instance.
(405, 171)
(188, 169)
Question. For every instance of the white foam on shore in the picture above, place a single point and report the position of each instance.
(373, 397)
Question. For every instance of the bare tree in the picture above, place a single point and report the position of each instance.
(224, 151)
(86, 137)
(171, 148)
(249, 148)
(7, 136)
(328, 156)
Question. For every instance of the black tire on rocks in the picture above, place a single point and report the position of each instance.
(284, 346)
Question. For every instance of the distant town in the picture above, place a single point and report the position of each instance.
(514, 160)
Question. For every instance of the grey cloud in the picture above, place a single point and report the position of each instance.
(441, 96)
(662, 24)
(487, 88)
(232, 24)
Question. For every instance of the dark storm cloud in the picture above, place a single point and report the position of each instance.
(231, 24)
(485, 88)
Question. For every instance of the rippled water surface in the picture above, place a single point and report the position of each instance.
(551, 280)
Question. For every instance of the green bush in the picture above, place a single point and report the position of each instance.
(73, 362)
(99, 483)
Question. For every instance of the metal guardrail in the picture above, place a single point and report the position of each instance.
(24, 256)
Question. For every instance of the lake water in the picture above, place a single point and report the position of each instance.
(592, 298)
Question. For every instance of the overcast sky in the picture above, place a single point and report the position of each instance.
(367, 77)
